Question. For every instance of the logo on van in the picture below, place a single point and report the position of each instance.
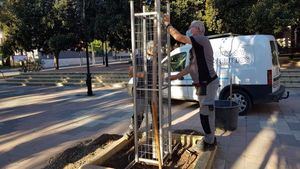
(240, 56)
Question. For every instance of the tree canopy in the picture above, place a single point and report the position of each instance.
(34, 24)
(252, 16)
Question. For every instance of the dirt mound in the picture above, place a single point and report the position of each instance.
(78, 155)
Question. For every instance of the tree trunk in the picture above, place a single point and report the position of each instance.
(103, 46)
(106, 57)
(56, 60)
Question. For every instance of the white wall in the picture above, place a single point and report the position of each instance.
(49, 63)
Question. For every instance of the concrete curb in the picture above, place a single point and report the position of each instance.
(107, 153)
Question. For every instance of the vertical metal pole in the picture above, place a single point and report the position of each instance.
(134, 80)
(106, 57)
(146, 72)
(161, 118)
(169, 88)
(155, 102)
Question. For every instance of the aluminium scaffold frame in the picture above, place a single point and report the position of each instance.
(148, 92)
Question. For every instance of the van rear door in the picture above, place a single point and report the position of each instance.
(274, 74)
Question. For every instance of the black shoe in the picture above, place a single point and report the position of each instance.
(203, 146)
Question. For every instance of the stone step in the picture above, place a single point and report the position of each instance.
(73, 78)
(118, 85)
(290, 73)
(290, 70)
(64, 81)
(52, 84)
(75, 73)
(289, 79)
(291, 85)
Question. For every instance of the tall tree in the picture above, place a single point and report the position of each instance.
(252, 16)
(183, 12)
(33, 23)
(273, 16)
(113, 23)
(58, 43)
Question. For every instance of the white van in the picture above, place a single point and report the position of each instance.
(250, 61)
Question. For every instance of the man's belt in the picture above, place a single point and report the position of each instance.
(205, 82)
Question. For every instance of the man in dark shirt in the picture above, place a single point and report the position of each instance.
(205, 79)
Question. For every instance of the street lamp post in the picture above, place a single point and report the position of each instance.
(88, 74)
(106, 57)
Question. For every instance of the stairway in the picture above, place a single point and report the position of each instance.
(99, 79)
(290, 78)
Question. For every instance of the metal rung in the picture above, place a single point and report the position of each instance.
(164, 87)
(145, 14)
(145, 89)
(148, 161)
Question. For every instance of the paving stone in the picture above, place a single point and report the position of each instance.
(297, 115)
(253, 164)
(296, 135)
(239, 163)
(283, 131)
(253, 128)
(223, 141)
(237, 140)
(291, 119)
(274, 160)
(288, 140)
(232, 157)
(289, 152)
(266, 124)
(293, 164)
(237, 149)
(294, 126)
(288, 113)
(222, 152)
(219, 164)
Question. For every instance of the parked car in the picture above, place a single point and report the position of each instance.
(250, 61)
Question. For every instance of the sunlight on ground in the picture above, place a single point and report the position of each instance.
(19, 116)
(262, 151)
(185, 117)
(57, 128)
(24, 100)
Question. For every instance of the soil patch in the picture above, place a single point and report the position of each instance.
(73, 158)
(182, 157)
(78, 155)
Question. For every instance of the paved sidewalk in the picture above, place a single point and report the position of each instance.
(38, 122)
(269, 137)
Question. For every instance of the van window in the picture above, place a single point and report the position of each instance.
(178, 62)
(274, 53)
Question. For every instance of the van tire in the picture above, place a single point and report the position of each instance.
(241, 98)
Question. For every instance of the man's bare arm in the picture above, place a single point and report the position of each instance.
(174, 32)
(178, 36)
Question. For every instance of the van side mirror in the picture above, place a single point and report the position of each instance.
(182, 78)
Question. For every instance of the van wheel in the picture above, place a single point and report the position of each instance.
(242, 98)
